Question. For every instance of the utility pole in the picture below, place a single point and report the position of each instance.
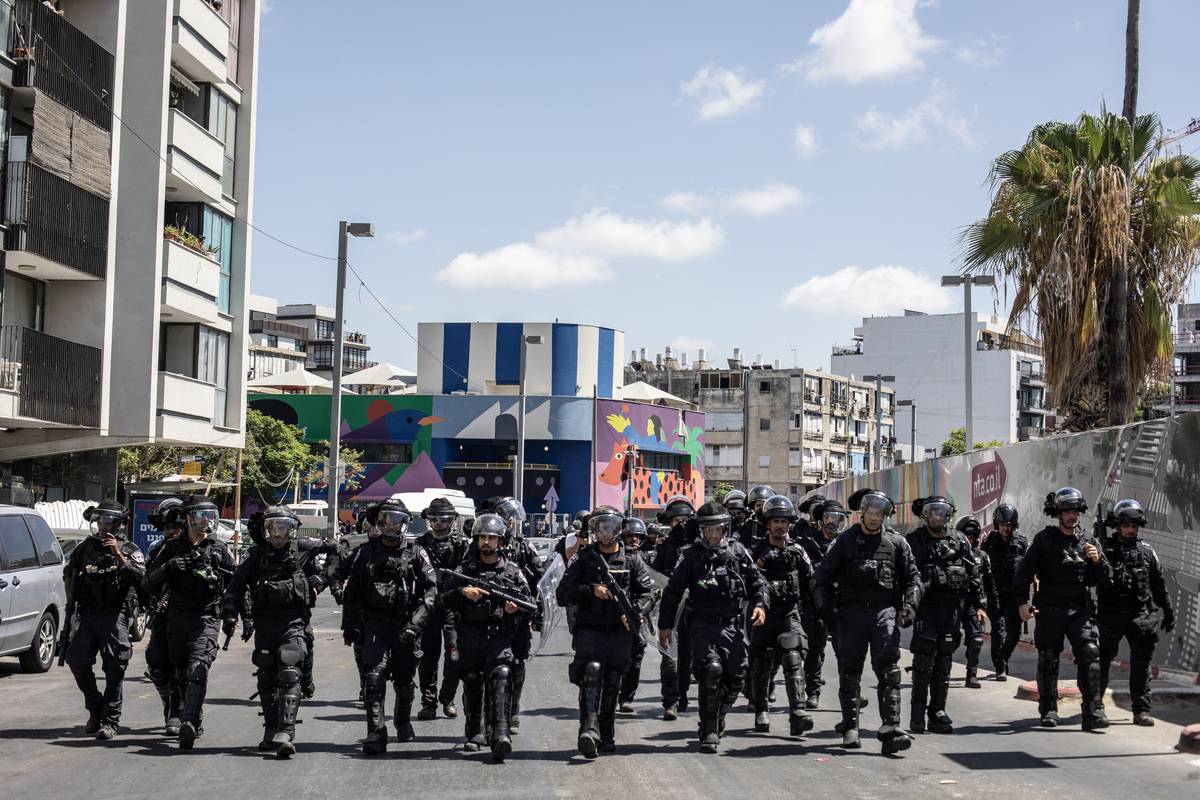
(967, 281)
(237, 509)
(879, 380)
(746, 430)
(519, 467)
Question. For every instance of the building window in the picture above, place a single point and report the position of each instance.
(795, 421)
(764, 423)
(662, 461)
(812, 423)
(216, 230)
(794, 457)
(353, 359)
(764, 461)
(321, 354)
(720, 380)
(796, 384)
(24, 301)
(324, 329)
(200, 353)
(231, 11)
(724, 420)
(723, 455)
(222, 123)
(764, 387)
(812, 461)
(400, 453)
(793, 489)
(272, 340)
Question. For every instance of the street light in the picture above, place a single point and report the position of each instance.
(519, 474)
(334, 481)
(879, 381)
(967, 281)
(912, 456)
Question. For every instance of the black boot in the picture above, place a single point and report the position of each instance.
(288, 709)
(403, 712)
(799, 720)
(710, 716)
(1001, 670)
(922, 676)
(473, 712)
(758, 686)
(972, 681)
(1094, 717)
(894, 739)
(939, 693)
(589, 711)
(93, 701)
(609, 699)
(1047, 683)
(377, 732)
(518, 686)
(195, 685)
(270, 714)
(500, 706)
(848, 686)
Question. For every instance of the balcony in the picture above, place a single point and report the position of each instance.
(815, 436)
(48, 380)
(195, 158)
(1187, 342)
(1031, 374)
(55, 57)
(56, 230)
(837, 472)
(1187, 373)
(1027, 432)
(858, 441)
(848, 350)
(278, 328)
(185, 397)
(191, 281)
(200, 40)
(1020, 343)
(838, 438)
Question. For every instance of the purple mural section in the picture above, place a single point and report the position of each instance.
(646, 454)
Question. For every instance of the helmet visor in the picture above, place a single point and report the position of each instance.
(203, 519)
(834, 521)
(392, 522)
(106, 522)
(280, 530)
(877, 503)
(605, 526)
(713, 533)
(937, 514)
(440, 524)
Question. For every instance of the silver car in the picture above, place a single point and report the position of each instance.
(32, 597)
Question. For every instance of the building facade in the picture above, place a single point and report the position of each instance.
(925, 354)
(792, 429)
(1185, 363)
(129, 166)
(286, 337)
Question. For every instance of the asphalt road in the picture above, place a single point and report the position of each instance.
(997, 750)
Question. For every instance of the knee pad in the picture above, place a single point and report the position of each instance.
(922, 663)
(591, 673)
(160, 677)
(947, 644)
(789, 641)
(263, 659)
(197, 672)
(791, 660)
(924, 639)
(1087, 653)
(289, 676)
(888, 675)
(501, 673)
(374, 682)
(291, 654)
(975, 642)
(767, 655)
(472, 679)
(710, 672)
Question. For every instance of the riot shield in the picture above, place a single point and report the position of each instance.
(552, 612)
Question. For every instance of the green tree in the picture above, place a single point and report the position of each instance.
(1066, 210)
(956, 443)
(720, 489)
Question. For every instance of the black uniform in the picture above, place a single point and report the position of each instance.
(281, 584)
(486, 640)
(949, 583)
(196, 577)
(603, 646)
(1066, 608)
(718, 582)
(526, 559)
(158, 659)
(102, 593)
(393, 590)
(972, 630)
(815, 547)
(1005, 555)
(438, 637)
(675, 677)
(1133, 607)
(352, 619)
(788, 573)
(860, 585)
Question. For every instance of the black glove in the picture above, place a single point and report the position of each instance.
(247, 629)
(177, 564)
(229, 625)
(335, 589)
(350, 637)
(829, 618)
(1168, 621)
(905, 618)
(409, 634)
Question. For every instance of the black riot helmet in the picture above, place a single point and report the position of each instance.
(778, 507)
(106, 518)
(391, 518)
(168, 517)
(968, 526)
(935, 511)
(440, 514)
(636, 528)
(678, 506)
(1067, 498)
(655, 532)
(605, 523)
(490, 525)
(1126, 511)
(809, 506)
(513, 514)
(202, 513)
(714, 523)
(759, 494)
(871, 502)
(830, 516)
(280, 526)
(1006, 514)
(734, 501)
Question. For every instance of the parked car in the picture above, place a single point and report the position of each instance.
(32, 597)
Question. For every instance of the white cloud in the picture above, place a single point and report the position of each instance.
(871, 40)
(690, 344)
(882, 290)
(723, 92)
(601, 232)
(686, 202)
(774, 198)
(406, 237)
(984, 51)
(883, 130)
(806, 141)
(524, 266)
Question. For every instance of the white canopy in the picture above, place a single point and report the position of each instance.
(382, 374)
(642, 392)
(300, 377)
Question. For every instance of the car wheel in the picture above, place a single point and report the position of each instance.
(137, 626)
(40, 655)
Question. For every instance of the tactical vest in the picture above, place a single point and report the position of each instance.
(97, 583)
(872, 570)
(1062, 571)
(486, 611)
(281, 582)
(943, 568)
(1005, 556)
(717, 578)
(1131, 574)
(386, 590)
(781, 569)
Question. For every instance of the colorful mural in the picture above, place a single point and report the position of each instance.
(623, 429)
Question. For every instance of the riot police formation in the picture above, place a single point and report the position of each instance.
(972, 628)
(788, 574)
(492, 604)
(633, 537)
(392, 588)
(675, 674)
(867, 587)
(1005, 546)
(611, 588)
(526, 559)
(1134, 606)
(352, 621)
(753, 529)
(102, 580)
(445, 551)
(194, 569)
(829, 518)
(271, 592)
(949, 583)
(735, 503)
(806, 526)
(719, 576)
(1068, 565)
(169, 520)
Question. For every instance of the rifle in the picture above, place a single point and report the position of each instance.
(632, 617)
(494, 589)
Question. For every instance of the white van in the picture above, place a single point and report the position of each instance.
(32, 595)
(416, 502)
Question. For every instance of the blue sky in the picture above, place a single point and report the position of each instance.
(698, 174)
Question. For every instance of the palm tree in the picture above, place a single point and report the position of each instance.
(1066, 208)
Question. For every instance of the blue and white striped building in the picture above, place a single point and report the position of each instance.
(485, 358)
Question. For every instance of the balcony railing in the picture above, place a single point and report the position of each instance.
(55, 57)
(1027, 432)
(55, 380)
(281, 328)
(55, 219)
(838, 438)
(814, 435)
(848, 350)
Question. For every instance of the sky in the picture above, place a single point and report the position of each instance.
(696, 174)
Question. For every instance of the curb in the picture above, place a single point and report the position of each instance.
(1028, 690)
(1189, 740)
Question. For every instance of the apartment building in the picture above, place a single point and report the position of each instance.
(318, 333)
(1184, 383)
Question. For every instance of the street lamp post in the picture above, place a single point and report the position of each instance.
(334, 479)
(967, 281)
(912, 406)
(879, 381)
(519, 467)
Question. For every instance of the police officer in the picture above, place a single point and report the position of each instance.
(522, 554)
(735, 503)
(445, 551)
(1068, 564)
(655, 533)
(167, 519)
(604, 633)
(806, 523)
(1005, 546)
(352, 621)
(675, 675)
(633, 536)
(829, 519)
(102, 574)
(281, 577)
(788, 574)
(718, 575)
(754, 530)
(949, 582)
(1134, 607)
(195, 569)
(972, 630)
(867, 586)
(487, 627)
